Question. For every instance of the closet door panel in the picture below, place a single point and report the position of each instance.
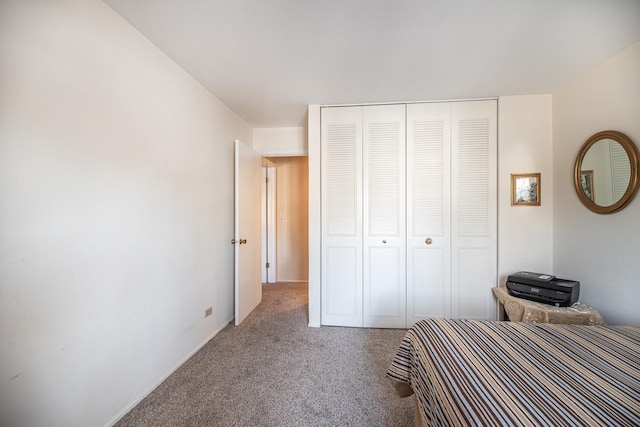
(343, 284)
(385, 297)
(474, 210)
(428, 211)
(341, 200)
(428, 281)
(384, 216)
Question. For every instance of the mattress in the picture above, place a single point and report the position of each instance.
(482, 373)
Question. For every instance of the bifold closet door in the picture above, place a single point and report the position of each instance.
(384, 155)
(409, 215)
(474, 208)
(428, 211)
(341, 199)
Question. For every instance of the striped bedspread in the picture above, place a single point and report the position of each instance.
(482, 373)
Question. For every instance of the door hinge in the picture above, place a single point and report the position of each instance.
(266, 180)
(268, 265)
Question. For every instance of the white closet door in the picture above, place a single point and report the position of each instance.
(341, 199)
(474, 210)
(428, 211)
(384, 216)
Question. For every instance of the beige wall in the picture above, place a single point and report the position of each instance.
(116, 208)
(292, 218)
(525, 233)
(280, 141)
(601, 251)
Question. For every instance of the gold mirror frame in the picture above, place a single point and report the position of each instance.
(632, 153)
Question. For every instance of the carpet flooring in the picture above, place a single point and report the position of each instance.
(273, 370)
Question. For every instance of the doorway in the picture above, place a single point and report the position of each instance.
(289, 206)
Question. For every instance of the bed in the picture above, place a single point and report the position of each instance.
(485, 373)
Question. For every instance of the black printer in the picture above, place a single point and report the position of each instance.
(543, 288)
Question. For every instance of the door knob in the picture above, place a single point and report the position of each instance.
(234, 241)
(428, 241)
(243, 241)
(384, 241)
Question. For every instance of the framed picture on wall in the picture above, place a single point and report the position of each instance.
(586, 180)
(525, 189)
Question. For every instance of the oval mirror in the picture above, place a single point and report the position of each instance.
(606, 172)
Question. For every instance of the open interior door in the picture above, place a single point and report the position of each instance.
(248, 286)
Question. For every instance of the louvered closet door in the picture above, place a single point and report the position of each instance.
(428, 211)
(341, 169)
(384, 216)
(474, 210)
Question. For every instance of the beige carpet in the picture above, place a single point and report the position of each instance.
(273, 370)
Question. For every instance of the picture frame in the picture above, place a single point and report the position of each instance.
(526, 189)
(586, 181)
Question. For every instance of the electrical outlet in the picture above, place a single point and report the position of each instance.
(208, 312)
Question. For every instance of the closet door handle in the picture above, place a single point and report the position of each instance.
(428, 241)
(384, 241)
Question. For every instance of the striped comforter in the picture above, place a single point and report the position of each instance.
(467, 372)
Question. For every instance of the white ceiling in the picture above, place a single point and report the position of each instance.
(268, 59)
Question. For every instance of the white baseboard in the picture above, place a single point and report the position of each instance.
(291, 281)
(132, 405)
